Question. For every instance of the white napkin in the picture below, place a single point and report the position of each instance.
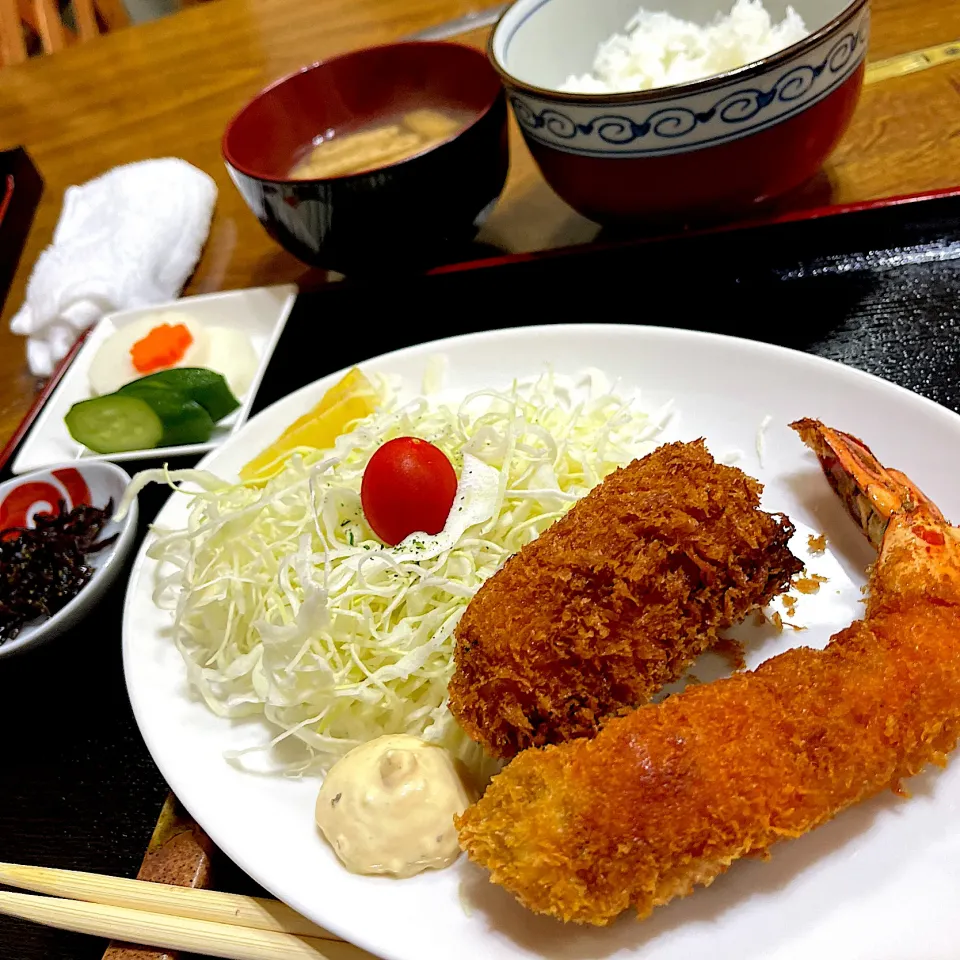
(129, 238)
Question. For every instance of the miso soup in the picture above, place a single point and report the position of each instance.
(378, 144)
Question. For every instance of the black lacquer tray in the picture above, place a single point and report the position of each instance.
(875, 287)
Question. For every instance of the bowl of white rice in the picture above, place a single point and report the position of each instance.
(680, 110)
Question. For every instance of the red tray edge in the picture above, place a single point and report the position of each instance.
(793, 216)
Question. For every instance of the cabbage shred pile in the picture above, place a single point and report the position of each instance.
(285, 604)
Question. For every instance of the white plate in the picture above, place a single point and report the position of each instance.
(881, 881)
(261, 313)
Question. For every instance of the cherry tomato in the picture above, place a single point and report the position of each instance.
(408, 486)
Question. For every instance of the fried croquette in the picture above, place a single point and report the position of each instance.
(616, 599)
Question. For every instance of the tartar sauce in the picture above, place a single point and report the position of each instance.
(388, 806)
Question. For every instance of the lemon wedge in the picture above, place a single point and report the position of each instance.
(351, 399)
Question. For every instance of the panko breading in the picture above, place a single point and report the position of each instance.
(669, 796)
(616, 599)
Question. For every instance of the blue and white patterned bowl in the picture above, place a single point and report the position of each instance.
(714, 145)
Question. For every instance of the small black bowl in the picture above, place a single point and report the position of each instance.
(406, 214)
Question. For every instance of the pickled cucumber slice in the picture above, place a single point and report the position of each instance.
(206, 387)
(114, 424)
(184, 420)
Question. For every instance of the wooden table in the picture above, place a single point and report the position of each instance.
(168, 88)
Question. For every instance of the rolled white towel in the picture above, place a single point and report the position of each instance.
(129, 238)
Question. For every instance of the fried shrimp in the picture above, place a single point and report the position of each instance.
(616, 599)
(671, 795)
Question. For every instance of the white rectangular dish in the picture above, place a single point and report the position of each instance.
(261, 313)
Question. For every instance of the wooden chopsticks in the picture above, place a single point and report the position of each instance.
(912, 62)
(173, 918)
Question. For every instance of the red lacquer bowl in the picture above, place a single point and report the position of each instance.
(697, 150)
(405, 213)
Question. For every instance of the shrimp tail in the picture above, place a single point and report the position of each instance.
(871, 492)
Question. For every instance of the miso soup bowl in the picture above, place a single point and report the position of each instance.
(696, 150)
(404, 214)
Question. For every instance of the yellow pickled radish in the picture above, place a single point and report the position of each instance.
(351, 399)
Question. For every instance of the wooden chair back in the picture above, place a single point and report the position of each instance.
(20, 19)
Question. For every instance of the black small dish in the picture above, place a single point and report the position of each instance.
(20, 190)
(405, 215)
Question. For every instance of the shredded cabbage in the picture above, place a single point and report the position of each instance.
(285, 604)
